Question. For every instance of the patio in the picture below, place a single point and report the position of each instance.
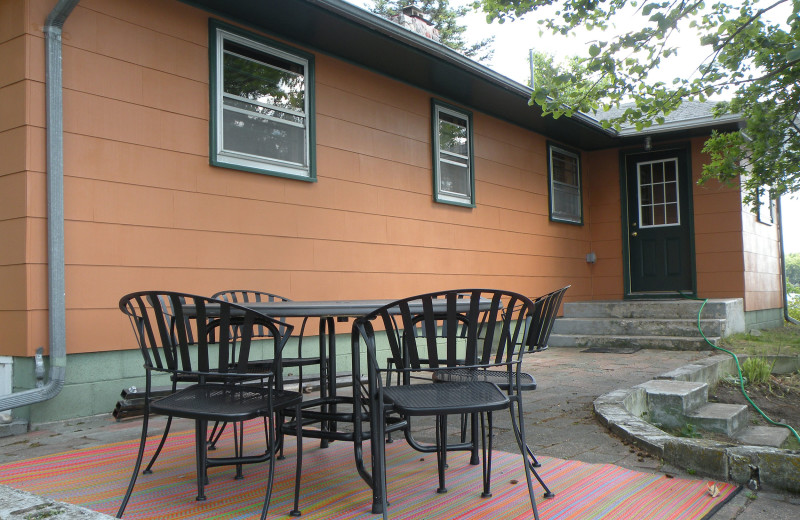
(560, 418)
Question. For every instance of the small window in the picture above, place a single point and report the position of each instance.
(262, 105)
(453, 176)
(765, 212)
(564, 179)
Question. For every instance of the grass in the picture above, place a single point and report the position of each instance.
(756, 370)
(784, 341)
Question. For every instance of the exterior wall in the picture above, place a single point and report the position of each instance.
(144, 209)
(21, 169)
(605, 224)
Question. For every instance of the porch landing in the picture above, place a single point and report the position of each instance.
(670, 324)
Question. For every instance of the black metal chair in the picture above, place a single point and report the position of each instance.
(486, 344)
(192, 338)
(542, 317)
(245, 296)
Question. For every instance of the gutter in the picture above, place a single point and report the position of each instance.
(55, 214)
(783, 266)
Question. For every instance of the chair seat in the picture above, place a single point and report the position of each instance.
(434, 399)
(214, 402)
(498, 377)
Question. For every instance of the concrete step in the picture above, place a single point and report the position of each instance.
(616, 341)
(773, 436)
(670, 402)
(639, 327)
(659, 309)
(719, 417)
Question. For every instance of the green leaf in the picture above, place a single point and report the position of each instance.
(594, 50)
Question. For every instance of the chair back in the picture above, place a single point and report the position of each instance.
(542, 319)
(446, 329)
(245, 296)
(185, 333)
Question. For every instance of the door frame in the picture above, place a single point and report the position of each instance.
(681, 148)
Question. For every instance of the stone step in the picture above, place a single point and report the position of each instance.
(773, 436)
(669, 402)
(719, 417)
(624, 342)
(639, 327)
(730, 309)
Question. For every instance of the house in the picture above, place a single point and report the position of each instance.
(312, 149)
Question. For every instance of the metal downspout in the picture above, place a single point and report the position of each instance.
(55, 214)
(783, 266)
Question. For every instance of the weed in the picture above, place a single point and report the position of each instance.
(689, 431)
(756, 370)
(691, 471)
(751, 495)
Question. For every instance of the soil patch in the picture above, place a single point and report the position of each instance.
(779, 399)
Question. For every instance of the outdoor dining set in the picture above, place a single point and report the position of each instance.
(445, 355)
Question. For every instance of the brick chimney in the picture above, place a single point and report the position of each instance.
(412, 19)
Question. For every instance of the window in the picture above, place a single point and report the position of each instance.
(659, 203)
(765, 211)
(453, 176)
(261, 105)
(564, 181)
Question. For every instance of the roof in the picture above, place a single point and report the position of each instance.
(348, 32)
(690, 114)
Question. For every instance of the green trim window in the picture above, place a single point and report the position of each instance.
(261, 104)
(564, 185)
(453, 170)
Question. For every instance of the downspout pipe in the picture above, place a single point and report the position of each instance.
(55, 214)
(783, 267)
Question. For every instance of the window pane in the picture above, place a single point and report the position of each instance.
(258, 109)
(671, 192)
(670, 173)
(647, 216)
(262, 137)
(453, 135)
(658, 172)
(454, 178)
(565, 168)
(658, 193)
(644, 174)
(566, 202)
(658, 215)
(270, 80)
(672, 213)
(647, 195)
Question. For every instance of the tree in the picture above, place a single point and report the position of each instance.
(793, 271)
(445, 19)
(549, 75)
(751, 58)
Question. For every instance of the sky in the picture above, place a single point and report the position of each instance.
(512, 44)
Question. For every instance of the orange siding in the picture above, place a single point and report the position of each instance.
(144, 209)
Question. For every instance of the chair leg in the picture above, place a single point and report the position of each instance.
(519, 433)
(216, 433)
(148, 470)
(487, 456)
(138, 464)
(238, 447)
(271, 474)
(200, 456)
(299, 458)
(441, 451)
(474, 459)
(518, 427)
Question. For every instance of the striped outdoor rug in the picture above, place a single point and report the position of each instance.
(96, 478)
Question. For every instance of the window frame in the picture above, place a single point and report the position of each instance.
(439, 107)
(551, 147)
(218, 156)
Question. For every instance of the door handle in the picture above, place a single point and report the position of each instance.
(634, 234)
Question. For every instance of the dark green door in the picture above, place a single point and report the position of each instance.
(659, 220)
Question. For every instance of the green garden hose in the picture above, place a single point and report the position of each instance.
(741, 378)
